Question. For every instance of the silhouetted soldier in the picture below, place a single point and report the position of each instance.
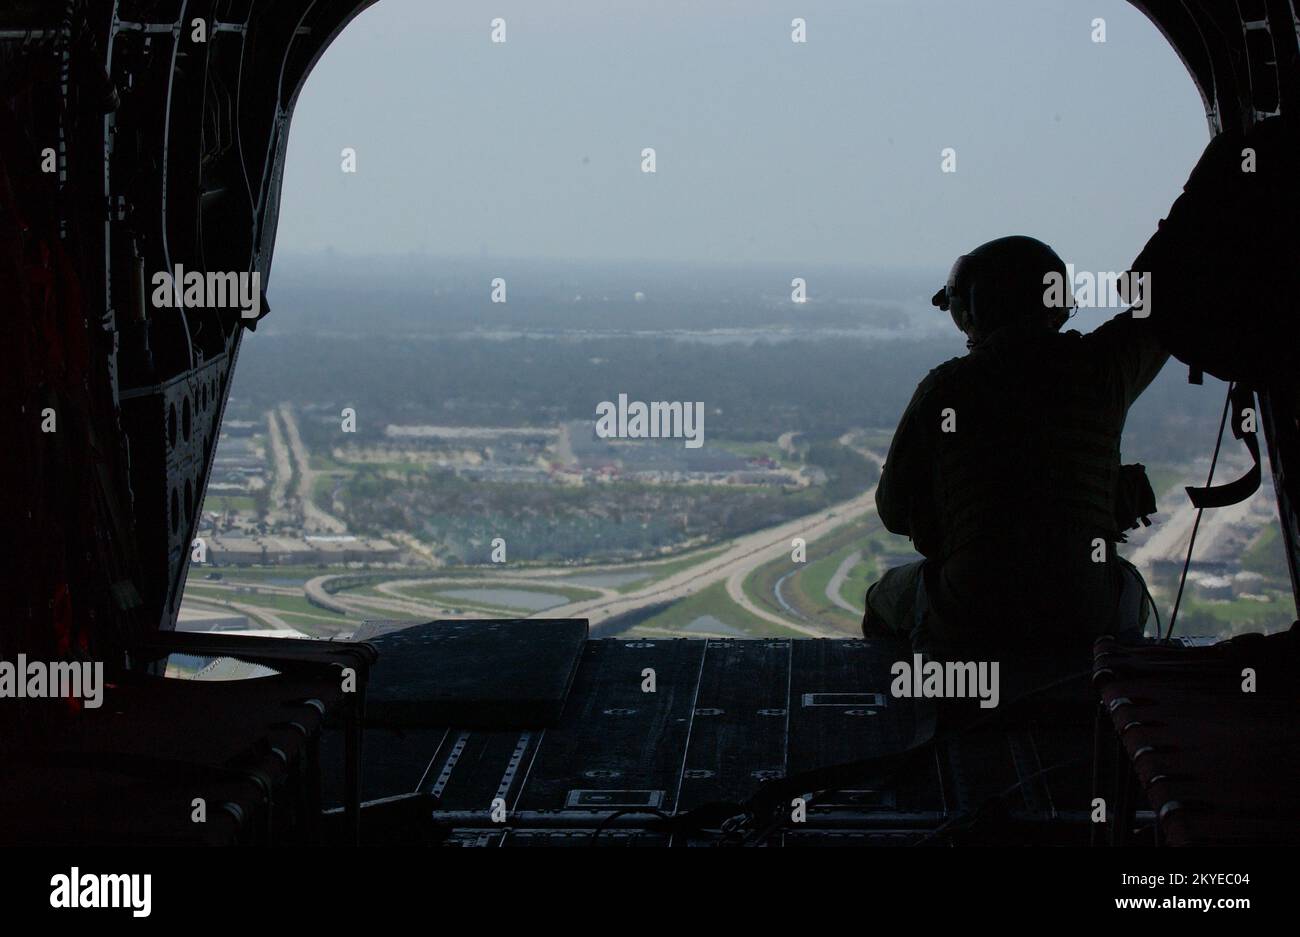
(1005, 469)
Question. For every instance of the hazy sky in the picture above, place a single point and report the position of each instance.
(767, 150)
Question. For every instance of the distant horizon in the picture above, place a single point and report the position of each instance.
(333, 255)
(828, 283)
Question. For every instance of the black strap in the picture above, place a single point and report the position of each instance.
(1234, 492)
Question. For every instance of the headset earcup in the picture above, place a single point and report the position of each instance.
(972, 308)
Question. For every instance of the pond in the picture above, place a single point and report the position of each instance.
(508, 598)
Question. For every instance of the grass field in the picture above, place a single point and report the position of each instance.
(860, 577)
(294, 575)
(277, 603)
(1165, 478)
(805, 591)
(1199, 617)
(710, 601)
(223, 504)
(436, 592)
(662, 571)
(255, 574)
(324, 462)
(811, 582)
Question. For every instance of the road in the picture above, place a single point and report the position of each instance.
(732, 566)
(736, 592)
(256, 613)
(368, 606)
(283, 470)
(394, 586)
(1220, 528)
(837, 581)
(314, 519)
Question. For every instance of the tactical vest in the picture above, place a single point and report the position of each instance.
(1034, 445)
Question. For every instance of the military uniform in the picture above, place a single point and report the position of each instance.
(1003, 471)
